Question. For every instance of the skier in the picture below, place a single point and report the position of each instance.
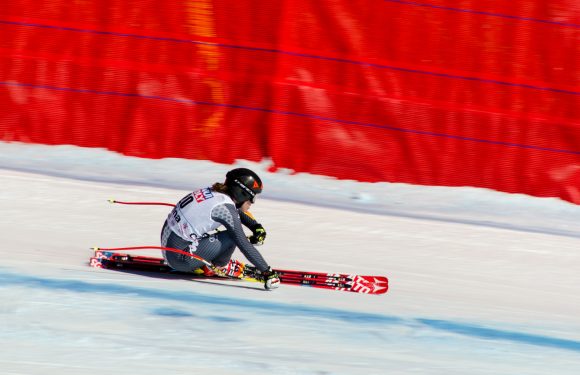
(193, 225)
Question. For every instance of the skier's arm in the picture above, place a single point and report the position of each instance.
(247, 219)
(258, 231)
(228, 216)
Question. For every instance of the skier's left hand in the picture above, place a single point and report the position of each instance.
(259, 235)
(270, 278)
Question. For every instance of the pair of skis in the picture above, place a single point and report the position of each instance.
(116, 259)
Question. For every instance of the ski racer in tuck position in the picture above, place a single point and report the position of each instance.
(192, 226)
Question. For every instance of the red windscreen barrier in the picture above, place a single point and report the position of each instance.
(455, 93)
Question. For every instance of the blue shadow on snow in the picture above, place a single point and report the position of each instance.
(474, 331)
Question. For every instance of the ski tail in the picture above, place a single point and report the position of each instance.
(122, 261)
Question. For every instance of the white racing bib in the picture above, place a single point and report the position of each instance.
(191, 217)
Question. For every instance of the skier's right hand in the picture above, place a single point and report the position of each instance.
(258, 236)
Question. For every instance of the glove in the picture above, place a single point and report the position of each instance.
(270, 278)
(258, 236)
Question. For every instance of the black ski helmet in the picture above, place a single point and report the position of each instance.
(243, 185)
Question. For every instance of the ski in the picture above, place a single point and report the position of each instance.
(344, 282)
(122, 261)
(336, 281)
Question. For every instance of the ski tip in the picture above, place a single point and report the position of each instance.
(94, 248)
(111, 200)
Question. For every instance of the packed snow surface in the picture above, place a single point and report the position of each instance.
(481, 282)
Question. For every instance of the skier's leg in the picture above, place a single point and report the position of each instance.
(233, 268)
(179, 262)
(217, 248)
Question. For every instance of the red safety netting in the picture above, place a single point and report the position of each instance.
(455, 93)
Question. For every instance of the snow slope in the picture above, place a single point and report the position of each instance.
(481, 282)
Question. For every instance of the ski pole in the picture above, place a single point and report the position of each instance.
(142, 203)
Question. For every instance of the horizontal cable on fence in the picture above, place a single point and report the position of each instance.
(287, 113)
(298, 54)
(483, 13)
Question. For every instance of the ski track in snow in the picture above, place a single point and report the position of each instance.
(464, 298)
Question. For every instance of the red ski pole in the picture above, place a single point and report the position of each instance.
(143, 203)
